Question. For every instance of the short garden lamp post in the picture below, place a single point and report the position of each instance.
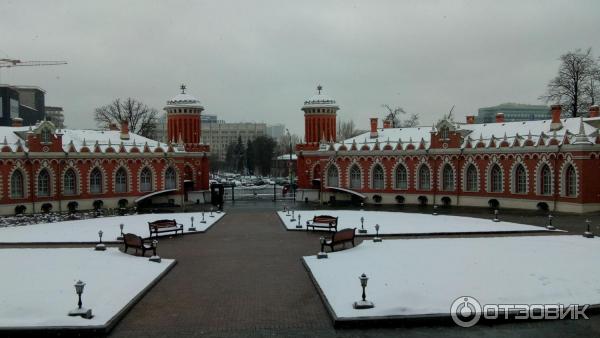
(155, 257)
(211, 212)
(364, 303)
(435, 208)
(80, 311)
(100, 246)
(286, 209)
(588, 233)
(299, 225)
(293, 218)
(362, 229)
(362, 205)
(192, 228)
(121, 226)
(496, 219)
(218, 208)
(549, 226)
(377, 238)
(322, 253)
(202, 221)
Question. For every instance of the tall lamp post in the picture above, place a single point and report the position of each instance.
(291, 175)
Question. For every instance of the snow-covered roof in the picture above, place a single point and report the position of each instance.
(320, 100)
(15, 137)
(574, 131)
(184, 101)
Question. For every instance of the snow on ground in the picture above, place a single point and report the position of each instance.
(86, 231)
(42, 294)
(424, 276)
(402, 223)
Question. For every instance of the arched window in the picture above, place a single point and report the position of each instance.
(355, 177)
(46, 135)
(424, 178)
(43, 186)
(96, 181)
(495, 179)
(121, 180)
(332, 176)
(447, 178)
(570, 181)
(471, 178)
(545, 180)
(146, 180)
(16, 184)
(401, 177)
(170, 179)
(377, 177)
(444, 133)
(520, 180)
(70, 182)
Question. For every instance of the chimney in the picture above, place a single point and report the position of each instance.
(594, 111)
(17, 122)
(124, 130)
(373, 127)
(500, 118)
(387, 124)
(556, 110)
(470, 119)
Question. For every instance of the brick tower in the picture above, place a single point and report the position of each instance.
(320, 113)
(183, 119)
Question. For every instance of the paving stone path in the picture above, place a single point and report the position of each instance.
(244, 278)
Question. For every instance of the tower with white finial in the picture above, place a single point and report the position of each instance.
(183, 118)
(320, 112)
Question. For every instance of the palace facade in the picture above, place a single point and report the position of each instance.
(43, 166)
(547, 164)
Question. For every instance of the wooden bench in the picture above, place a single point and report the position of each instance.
(323, 222)
(341, 237)
(164, 225)
(137, 242)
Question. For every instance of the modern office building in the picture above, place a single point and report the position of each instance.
(25, 102)
(513, 112)
(56, 116)
(220, 134)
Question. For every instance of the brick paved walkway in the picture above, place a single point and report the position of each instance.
(244, 278)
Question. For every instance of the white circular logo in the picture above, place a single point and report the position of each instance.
(465, 311)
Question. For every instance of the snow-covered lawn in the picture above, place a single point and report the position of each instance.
(424, 276)
(37, 284)
(86, 231)
(403, 223)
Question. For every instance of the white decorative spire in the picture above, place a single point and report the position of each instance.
(581, 137)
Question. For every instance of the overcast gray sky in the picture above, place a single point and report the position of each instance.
(259, 60)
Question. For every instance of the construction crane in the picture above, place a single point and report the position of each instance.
(9, 63)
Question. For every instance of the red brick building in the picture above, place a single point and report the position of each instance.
(550, 164)
(44, 165)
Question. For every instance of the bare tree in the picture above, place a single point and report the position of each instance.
(393, 114)
(347, 129)
(142, 119)
(283, 143)
(574, 85)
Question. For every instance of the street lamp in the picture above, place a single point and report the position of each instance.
(362, 229)
(435, 207)
(154, 258)
(588, 233)
(121, 226)
(80, 311)
(322, 253)
(293, 218)
(299, 225)
(377, 238)
(202, 221)
(496, 219)
(364, 303)
(100, 246)
(211, 212)
(192, 228)
(549, 226)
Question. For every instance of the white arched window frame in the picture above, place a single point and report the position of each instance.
(401, 177)
(355, 177)
(17, 184)
(424, 178)
(471, 179)
(545, 180)
(520, 179)
(145, 180)
(70, 182)
(495, 178)
(96, 181)
(570, 181)
(170, 178)
(43, 183)
(377, 179)
(447, 178)
(121, 180)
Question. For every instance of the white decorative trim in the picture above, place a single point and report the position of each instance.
(399, 163)
(71, 165)
(125, 167)
(326, 172)
(104, 178)
(153, 178)
(51, 174)
(469, 162)
(362, 174)
(488, 170)
(19, 166)
(513, 177)
(164, 176)
(441, 172)
(563, 185)
(418, 174)
(538, 176)
(375, 163)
